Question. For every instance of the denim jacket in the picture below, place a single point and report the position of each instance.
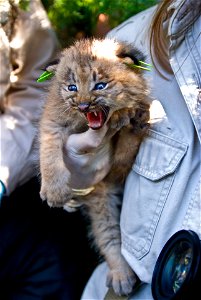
(163, 190)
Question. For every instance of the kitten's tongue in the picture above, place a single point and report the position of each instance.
(95, 119)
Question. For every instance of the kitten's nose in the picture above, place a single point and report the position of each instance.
(84, 106)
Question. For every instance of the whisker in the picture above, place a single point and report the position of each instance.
(104, 110)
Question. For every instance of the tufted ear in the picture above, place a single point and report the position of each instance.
(131, 56)
(52, 66)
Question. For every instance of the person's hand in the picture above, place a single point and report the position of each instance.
(87, 157)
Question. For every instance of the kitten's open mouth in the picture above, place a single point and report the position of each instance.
(96, 119)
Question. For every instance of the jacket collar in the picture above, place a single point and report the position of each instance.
(183, 14)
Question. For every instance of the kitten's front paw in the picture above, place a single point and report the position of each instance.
(120, 118)
(122, 280)
(55, 194)
(140, 121)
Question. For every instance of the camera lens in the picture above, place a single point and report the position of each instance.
(177, 269)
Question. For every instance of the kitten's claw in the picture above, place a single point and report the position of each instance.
(72, 206)
(43, 195)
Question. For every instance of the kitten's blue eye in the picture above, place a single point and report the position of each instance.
(100, 86)
(72, 88)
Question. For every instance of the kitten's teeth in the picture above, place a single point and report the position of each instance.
(95, 113)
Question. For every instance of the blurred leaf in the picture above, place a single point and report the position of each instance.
(24, 4)
(78, 18)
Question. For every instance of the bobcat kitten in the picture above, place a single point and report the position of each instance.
(94, 83)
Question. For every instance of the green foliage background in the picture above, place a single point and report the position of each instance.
(70, 17)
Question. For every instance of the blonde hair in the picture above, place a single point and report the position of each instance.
(158, 44)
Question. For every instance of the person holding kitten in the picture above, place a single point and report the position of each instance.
(36, 261)
(162, 191)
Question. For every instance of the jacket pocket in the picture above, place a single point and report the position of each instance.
(146, 191)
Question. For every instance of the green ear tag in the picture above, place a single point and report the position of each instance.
(146, 66)
(139, 67)
(45, 76)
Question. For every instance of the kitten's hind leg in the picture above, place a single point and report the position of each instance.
(104, 210)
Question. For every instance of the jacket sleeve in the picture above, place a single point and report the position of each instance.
(32, 46)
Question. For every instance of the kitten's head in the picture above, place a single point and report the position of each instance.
(95, 78)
